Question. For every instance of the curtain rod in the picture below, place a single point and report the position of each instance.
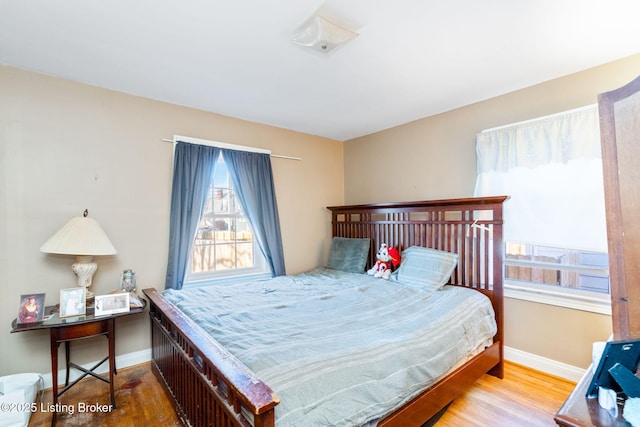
(225, 145)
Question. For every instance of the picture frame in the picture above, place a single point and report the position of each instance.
(31, 308)
(73, 302)
(625, 353)
(112, 304)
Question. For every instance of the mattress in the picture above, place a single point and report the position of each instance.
(341, 349)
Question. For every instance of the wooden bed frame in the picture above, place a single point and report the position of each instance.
(210, 387)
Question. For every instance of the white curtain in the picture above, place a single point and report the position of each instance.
(552, 169)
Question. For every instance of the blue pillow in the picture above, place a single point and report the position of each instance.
(348, 254)
(426, 268)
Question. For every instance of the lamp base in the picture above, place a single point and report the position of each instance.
(84, 267)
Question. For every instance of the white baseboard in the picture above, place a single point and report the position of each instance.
(122, 361)
(543, 364)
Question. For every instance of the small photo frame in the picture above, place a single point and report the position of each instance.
(73, 302)
(625, 353)
(31, 308)
(112, 304)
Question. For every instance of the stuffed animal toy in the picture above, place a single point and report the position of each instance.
(388, 259)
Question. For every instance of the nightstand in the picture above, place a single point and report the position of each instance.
(68, 329)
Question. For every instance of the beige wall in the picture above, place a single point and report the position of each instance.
(435, 158)
(66, 146)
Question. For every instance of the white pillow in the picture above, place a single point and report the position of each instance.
(426, 268)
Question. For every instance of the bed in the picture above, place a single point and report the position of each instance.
(210, 385)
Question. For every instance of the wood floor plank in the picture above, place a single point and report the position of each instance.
(140, 401)
(523, 398)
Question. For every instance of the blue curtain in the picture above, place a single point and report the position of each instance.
(192, 173)
(253, 181)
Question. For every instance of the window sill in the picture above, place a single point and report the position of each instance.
(566, 298)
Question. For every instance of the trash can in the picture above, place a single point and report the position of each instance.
(18, 398)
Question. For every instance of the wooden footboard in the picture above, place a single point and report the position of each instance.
(212, 388)
(209, 386)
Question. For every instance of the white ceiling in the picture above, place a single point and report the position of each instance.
(412, 59)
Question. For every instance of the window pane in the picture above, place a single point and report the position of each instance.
(201, 257)
(225, 257)
(547, 265)
(224, 241)
(245, 255)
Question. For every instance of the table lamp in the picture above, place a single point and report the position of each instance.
(84, 238)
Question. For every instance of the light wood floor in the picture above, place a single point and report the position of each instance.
(523, 398)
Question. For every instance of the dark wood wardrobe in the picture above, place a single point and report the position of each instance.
(620, 135)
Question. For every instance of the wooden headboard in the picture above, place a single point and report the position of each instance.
(470, 227)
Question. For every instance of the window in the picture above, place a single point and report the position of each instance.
(224, 245)
(552, 266)
(249, 169)
(555, 227)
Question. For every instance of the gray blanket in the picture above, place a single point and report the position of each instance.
(341, 349)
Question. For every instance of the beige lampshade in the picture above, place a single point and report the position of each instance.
(80, 236)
